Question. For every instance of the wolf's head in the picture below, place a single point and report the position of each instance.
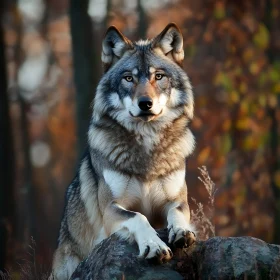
(144, 83)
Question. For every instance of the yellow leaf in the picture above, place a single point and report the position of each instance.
(250, 143)
(243, 124)
(261, 38)
(276, 88)
(244, 107)
(219, 11)
(234, 96)
(254, 68)
(203, 155)
(274, 74)
(243, 87)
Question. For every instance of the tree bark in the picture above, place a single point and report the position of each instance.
(273, 56)
(142, 20)
(83, 59)
(6, 154)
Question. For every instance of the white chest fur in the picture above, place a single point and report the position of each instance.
(149, 193)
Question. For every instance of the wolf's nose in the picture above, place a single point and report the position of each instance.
(145, 103)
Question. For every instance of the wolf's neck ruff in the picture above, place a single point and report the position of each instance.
(146, 155)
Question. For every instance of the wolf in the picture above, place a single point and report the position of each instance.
(131, 180)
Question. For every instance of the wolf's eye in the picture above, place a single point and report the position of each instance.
(128, 78)
(159, 76)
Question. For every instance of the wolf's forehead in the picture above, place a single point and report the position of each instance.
(149, 69)
(144, 60)
(139, 62)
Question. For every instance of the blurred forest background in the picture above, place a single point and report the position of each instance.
(49, 68)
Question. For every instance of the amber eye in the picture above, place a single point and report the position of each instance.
(128, 78)
(158, 76)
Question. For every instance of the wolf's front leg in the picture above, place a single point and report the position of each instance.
(135, 226)
(178, 219)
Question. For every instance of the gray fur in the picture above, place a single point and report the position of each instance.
(133, 174)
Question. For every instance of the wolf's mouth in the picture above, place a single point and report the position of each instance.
(146, 116)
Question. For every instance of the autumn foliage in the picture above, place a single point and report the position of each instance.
(232, 58)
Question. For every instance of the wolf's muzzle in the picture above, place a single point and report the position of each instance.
(145, 103)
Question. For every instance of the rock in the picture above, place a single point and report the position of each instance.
(233, 258)
(117, 259)
(216, 258)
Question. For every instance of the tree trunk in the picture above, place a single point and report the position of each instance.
(273, 56)
(142, 20)
(6, 154)
(83, 60)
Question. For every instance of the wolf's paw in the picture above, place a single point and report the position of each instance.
(155, 249)
(181, 237)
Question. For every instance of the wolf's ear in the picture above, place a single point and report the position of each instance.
(114, 46)
(170, 41)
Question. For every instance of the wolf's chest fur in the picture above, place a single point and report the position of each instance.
(146, 197)
(148, 155)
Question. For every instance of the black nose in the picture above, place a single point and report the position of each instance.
(145, 103)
